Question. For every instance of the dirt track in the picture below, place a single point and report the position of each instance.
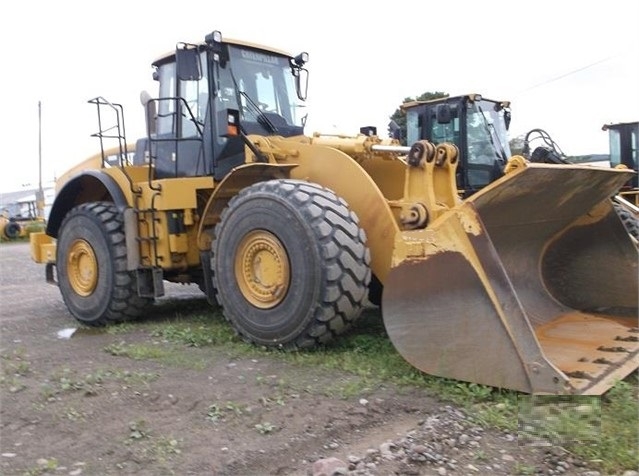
(69, 407)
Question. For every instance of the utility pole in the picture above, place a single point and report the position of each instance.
(40, 192)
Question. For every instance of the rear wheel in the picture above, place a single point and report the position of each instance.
(12, 230)
(291, 264)
(91, 263)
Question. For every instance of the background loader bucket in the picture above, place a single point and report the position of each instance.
(531, 285)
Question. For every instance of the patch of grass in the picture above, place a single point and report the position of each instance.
(13, 384)
(480, 455)
(22, 368)
(277, 400)
(351, 387)
(220, 411)
(166, 354)
(139, 351)
(561, 419)
(145, 445)
(618, 446)
(214, 413)
(120, 328)
(366, 353)
(68, 380)
(499, 412)
(523, 469)
(597, 429)
(196, 331)
(192, 337)
(164, 448)
(15, 363)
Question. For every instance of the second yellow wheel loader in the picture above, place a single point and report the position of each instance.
(478, 127)
(528, 284)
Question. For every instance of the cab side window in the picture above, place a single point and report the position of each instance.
(166, 120)
(193, 108)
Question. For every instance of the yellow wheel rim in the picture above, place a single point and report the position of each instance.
(82, 268)
(262, 269)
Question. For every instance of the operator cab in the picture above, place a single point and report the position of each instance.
(623, 140)
(477, 126)
(199, 84)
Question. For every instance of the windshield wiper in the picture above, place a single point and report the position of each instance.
(259, 114)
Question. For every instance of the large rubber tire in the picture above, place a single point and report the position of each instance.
(12, 230)
(91, 266)
(291, 265)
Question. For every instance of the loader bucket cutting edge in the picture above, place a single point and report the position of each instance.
(540, 296)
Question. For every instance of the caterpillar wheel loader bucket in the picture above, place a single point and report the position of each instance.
(530, 285)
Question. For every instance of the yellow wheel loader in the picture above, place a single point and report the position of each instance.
(527, 284)
(478, 127)
(623, 146)
(16, 227)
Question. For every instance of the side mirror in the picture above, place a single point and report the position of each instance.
(301, 83)
(150, 109)
(188, 62)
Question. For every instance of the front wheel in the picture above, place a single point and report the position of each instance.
(91, 263)
(291, 265)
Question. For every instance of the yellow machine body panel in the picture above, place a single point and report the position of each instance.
(151, 242)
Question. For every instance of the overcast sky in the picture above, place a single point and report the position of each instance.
(568, 67)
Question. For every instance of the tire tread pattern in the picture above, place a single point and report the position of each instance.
(124, 303)
(343, 248)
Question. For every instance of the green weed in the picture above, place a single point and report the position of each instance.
(218, 412)
(45, 465)
(265, 428)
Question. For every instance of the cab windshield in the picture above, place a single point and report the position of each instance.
(261, 85)
(487, 134)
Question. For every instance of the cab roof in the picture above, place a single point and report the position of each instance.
(473, 97)
(170, 55)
